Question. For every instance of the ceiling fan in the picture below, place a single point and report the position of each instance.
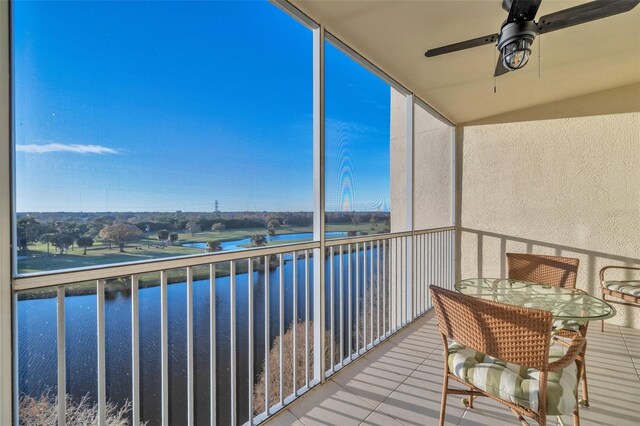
(519, 30)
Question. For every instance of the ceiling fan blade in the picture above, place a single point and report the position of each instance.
(583, 13)
(468, 44)
(523, 10)
(500, 68)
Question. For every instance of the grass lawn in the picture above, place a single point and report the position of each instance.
(148, 247)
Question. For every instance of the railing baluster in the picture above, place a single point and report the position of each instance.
(164, 347)
(233, 364)
(350, 329)
(341, 282)
(62, 363)
(417, 309)
(250, 337)
(440, 280)
(371, 292)
(295, 322)
(364, 296)
(267, 334)
(332, 314)
(135, 351)
(212, 345)
(357, 299)
(281, 289)
(190, 359)
(102, 385)
(395, 285)
(418, 268)
(384, 288)
(452, 258)
(405, 283)
(306, 316)
(378, 289)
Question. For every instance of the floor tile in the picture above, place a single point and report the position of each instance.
(378, 418)
(400, 383)
(331, 404)
(284, 418)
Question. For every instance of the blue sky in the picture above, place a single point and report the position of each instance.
(164, 106)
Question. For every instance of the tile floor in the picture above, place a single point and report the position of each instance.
(400, 383)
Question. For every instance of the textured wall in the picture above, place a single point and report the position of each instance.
(568, 186)
(433, 171)
(398, 157)
(433, 179)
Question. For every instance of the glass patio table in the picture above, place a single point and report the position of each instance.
(563, 303)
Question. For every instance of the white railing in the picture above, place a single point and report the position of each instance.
(260, 320)
(379, 284)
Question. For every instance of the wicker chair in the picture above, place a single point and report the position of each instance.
(557, 271)
(626, 290)
(492, 339)
(551, 270)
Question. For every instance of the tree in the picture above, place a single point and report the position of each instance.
(213, 246)
(373, 221)
(121, 234)
(72, 229)
(193, 227)
(96, 224)
(218, 227)
(258, 240)
(84, 242)
(355, 219)
(48, 239)
(62, 242)
(163, 235)
(173, 237)
(273, 223)
(28, 230)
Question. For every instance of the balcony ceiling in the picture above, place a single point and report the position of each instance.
(394, 35)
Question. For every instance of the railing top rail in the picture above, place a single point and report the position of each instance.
(365, 238)
(378, 237)
(53, 278)
(432, 230)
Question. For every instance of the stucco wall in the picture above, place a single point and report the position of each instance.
(566, 186)
(398, 157)
(433, 169)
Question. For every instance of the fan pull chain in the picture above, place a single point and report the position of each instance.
(539, 48)
(494, 75)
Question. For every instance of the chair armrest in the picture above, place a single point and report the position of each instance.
(632, 268)
(575, 348)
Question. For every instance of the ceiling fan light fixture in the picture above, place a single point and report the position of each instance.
(515, 54)
(515, 43)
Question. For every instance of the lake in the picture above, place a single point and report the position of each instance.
(242, 243)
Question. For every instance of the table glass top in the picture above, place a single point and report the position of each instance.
(565, 304)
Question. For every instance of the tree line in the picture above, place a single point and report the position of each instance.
(64, 230)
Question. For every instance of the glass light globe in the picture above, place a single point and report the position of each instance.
(516, 54)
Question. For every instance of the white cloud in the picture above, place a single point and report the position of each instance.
(61, 147)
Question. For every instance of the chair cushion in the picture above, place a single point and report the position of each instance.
(627, 287)
(515, 383)
(568, 325)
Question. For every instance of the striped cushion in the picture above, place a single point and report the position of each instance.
(567, 325)
(515, 383)
(626, 287)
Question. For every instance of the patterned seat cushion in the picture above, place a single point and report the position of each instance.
(568, 325)
(515, 383)
(627, 287)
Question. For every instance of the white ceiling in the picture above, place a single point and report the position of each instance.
(394, 34)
